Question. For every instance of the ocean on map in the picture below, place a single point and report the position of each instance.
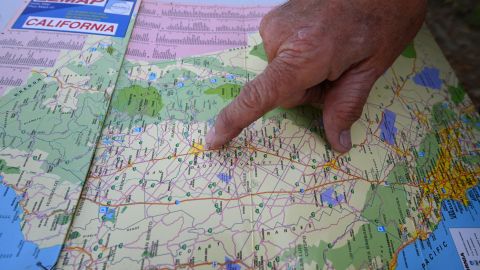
(438, 251)
(19, 253)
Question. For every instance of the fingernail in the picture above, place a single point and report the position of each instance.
(346, 139)
(210, 138)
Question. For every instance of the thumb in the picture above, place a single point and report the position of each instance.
(343, 106)
(256, 98)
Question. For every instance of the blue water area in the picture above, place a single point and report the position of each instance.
(429, 77)
(15, 251)
(328, 196)
(381, 229)
(107, 213)
(229, 265)
(152, 76)
(387, 127)
(103, 209)
(230, 77)
(213, 80)
(137, 129)
(438, 250)
(180, 84)
(107, 140)
(110, 215)
(224, 177)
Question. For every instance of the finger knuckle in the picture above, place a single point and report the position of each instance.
(299, 52)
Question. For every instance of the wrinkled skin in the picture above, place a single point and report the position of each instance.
(326, 53)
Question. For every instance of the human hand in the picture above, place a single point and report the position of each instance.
(348, 44)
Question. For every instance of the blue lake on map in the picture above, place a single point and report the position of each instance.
(23, 254)
(224, 177)
(387, 127)
(438, 251)
(328, 196)
(429, 77)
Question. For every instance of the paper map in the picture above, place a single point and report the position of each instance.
(54, 94)
(405, 197)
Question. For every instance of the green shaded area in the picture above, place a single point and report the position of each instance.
(471, 160)
(63, 219)
(182, 89)
(430, 150)
(74, 235)
(227, 91)
(385, 207)
(442, 116)
(457, 93)
(472, 120)
(68, 135)
(306, 255)
(409, 51)
(138, 100)
(259, 51)
(147, 254)
(399, 174)
(110, 50)
(7, 169)
(214, 64)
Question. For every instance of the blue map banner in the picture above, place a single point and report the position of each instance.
(99, 17)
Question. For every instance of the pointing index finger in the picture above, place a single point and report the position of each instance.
(256, 98)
